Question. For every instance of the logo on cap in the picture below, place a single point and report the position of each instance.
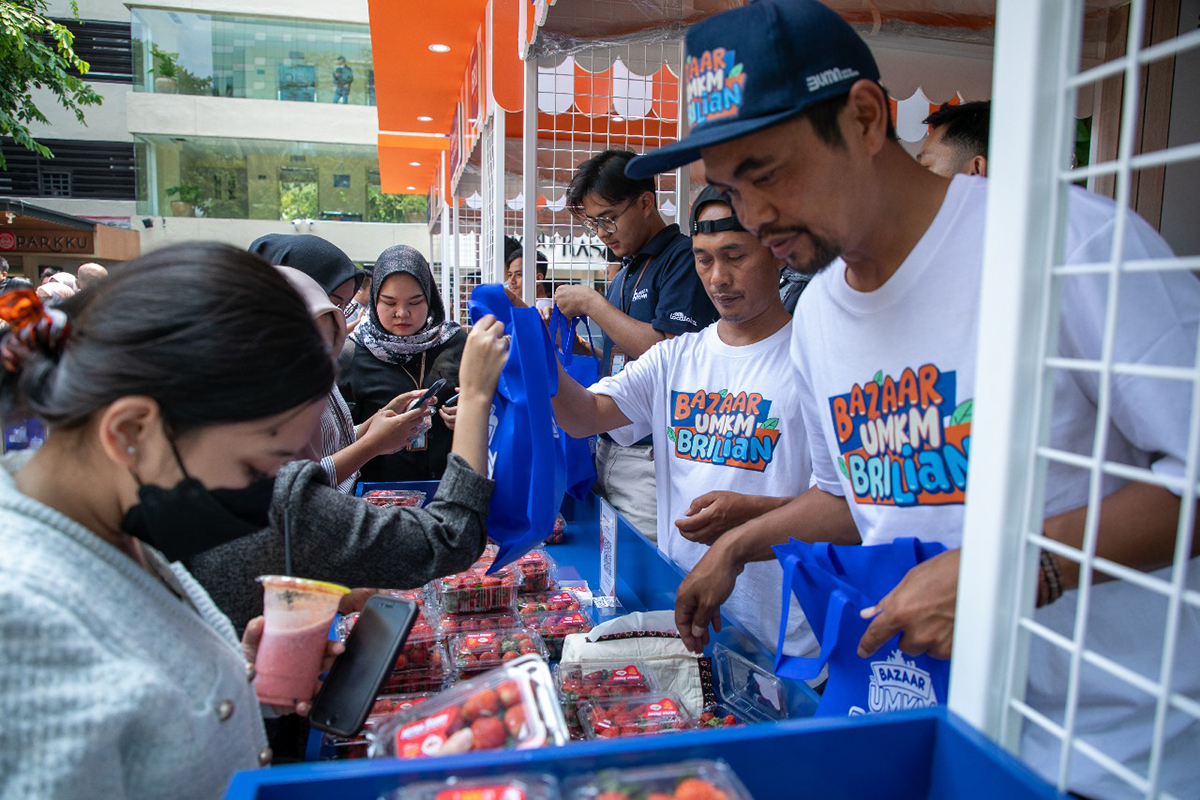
(715, 83)
(829, 77)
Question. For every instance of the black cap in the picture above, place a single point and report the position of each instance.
(711, 194)
(752, 67)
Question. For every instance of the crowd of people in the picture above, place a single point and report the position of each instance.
(826, 279)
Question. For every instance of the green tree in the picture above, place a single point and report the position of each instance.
(395, 207)
(37, 52)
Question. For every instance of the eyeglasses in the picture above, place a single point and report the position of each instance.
(593, 225)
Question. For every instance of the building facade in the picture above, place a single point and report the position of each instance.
(221, 124)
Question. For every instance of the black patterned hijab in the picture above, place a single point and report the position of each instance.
(437, 330)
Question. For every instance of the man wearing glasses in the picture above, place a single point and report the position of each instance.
(655, 295)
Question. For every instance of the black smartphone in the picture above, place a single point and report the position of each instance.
(430, 392)
(357, 676)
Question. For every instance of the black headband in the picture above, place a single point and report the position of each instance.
(716, 225)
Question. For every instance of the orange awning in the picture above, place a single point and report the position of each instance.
(413, 82)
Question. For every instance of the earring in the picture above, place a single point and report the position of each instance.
(131, 450)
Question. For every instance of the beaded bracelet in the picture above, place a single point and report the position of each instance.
(1050, 586)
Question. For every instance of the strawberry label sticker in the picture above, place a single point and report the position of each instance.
(480, 639)
(628, 674)
(482, 793)
(424, 737)
(562, 597)
(530, 558)
(663, 708)
(571, 619)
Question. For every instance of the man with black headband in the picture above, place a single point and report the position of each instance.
(786, 111)
(723, 413)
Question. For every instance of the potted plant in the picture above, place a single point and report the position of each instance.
(191, 199)
(165, 71)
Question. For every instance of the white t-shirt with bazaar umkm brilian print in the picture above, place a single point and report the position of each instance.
(889, 379)
(723, 418)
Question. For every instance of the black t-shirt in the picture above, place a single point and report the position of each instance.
(660, 286)
(373, 384)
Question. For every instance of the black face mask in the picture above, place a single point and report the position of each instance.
(188, 519)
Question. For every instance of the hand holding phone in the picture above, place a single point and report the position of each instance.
(357, 676)
(430, 392)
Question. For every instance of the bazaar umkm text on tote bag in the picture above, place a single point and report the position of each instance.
(525, 458)
(833, 584)
(585, 370)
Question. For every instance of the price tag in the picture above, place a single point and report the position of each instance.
(608, 549)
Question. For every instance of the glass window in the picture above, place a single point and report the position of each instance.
(258, 179)
(182, 52)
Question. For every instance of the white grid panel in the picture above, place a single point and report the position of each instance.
(597, 97)
(996, 682)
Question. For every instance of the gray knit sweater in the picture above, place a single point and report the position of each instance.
(339, 538)
(112, 684)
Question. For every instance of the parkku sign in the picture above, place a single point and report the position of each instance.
(81, 242)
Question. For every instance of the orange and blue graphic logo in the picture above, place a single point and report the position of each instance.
(715, 84)
(904, 441)
(723, 428)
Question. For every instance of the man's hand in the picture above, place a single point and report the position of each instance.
(922, 606)
(576, 300)
(699, 598)
(250, 641)
(714, 513)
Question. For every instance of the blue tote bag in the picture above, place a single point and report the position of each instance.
(525, 459)
(833, 584)
(579, 453)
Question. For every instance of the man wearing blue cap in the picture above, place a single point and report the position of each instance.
(786, 111)
(723, 414)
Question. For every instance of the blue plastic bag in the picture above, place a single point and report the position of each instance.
(579, 453)
(832, 584)
(525, 458)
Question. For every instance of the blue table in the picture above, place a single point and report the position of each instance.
(926, 753)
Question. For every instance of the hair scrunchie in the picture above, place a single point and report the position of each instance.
(33, 328)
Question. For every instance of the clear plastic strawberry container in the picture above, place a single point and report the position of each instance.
(578, 684)
(747, 694)
(473, 653)
(420, 649)
(385, 706)
(555, 626)
(688, 780)
(561, 600)
(558, 532)
(451, 624)
(395, 498)
(537, 570)
(475, 592)
(512, 707)
(425, 668)
(640, 715)
(499, 787)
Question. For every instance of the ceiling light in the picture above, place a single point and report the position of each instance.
(414, 163)
(440, 48)
(424, 118)
(412, 188)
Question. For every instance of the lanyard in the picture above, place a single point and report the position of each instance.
(645, 268)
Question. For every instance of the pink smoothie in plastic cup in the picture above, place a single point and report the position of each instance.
(298, 614)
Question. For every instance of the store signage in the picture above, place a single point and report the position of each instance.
(608, 549)
(76, 242)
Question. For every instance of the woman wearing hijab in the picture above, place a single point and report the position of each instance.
(337, 445)
(320, 260)
(405, 343)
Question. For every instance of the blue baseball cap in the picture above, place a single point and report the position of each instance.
(751, 67)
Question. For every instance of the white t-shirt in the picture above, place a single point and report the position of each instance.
(889, 381)
(723, 418)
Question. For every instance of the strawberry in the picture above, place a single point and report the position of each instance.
(489, 733)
